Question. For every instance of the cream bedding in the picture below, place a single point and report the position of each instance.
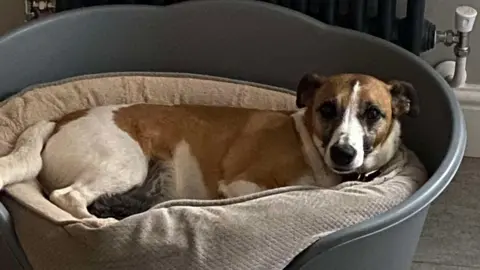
(259, 231)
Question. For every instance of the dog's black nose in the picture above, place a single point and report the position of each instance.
(342, 154)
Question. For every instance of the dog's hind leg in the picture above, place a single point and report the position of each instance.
(76, 198)
(72, 201)
(88, 157)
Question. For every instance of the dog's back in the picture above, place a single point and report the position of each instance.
(106, 150)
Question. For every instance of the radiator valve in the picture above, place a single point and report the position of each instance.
(455, 71)
(35, 9)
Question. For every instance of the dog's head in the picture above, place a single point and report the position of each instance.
(353, 118)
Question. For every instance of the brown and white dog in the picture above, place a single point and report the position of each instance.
(348, 122)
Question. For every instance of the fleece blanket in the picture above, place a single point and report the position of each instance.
(259, 231)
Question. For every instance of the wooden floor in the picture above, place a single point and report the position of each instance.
(451, 236)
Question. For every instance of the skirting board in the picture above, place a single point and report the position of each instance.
(469, 99)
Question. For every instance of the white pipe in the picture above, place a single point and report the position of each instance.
(460, 74)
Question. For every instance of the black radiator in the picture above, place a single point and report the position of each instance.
(376, 17)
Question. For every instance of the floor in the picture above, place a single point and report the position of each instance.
(451, 236)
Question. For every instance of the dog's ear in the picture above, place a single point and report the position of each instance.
(306, 88)
(404, 99)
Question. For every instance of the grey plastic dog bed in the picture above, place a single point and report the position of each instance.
(259, 43)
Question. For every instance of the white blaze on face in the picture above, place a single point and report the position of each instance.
(350, 130)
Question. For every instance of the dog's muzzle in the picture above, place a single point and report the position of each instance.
(342, 154)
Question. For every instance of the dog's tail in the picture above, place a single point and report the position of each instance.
(119, 205)
(25, 160)
(155, 189)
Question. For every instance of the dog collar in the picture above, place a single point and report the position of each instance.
(362, 177)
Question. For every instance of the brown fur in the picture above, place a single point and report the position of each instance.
(260, 146)
(68, 118)
(339, 88)
(238, 144)
(229, 143)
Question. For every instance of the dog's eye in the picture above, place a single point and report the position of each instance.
(328, 110)
(372, 114)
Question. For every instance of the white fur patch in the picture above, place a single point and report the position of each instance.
(89, 157)
(188, 176)
(350, 131)
(313, 153)
(385, 152)
(318, 144)
(312, 156)
(25, 162)
(238, 188)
